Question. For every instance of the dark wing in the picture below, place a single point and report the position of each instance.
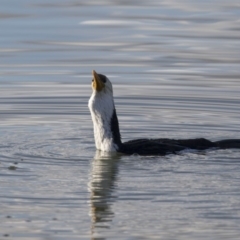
(164, 146)
(228, 143)
(197, 143)
(149, 147)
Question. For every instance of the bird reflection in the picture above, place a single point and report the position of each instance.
(101, 186)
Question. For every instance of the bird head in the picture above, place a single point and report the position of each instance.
(100, 83)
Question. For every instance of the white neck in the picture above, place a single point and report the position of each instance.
(101, 106)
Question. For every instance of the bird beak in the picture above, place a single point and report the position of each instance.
(97, 84)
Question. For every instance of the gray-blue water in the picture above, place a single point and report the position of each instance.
(175, 70)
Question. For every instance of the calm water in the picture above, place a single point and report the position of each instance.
(175, 70)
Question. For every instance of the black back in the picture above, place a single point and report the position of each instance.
(163, 146)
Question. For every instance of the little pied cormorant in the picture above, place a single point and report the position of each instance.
(107, 135)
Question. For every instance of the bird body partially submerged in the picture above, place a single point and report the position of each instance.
(107, 134)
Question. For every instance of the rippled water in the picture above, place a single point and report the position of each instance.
(175, 70)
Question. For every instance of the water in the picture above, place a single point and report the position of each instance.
(175, 70)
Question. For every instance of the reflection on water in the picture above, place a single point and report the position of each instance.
(102, 184)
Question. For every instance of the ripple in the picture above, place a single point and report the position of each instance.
(110, 23)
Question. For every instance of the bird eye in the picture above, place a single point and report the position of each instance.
(92, 80)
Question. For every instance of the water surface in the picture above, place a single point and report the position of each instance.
(175, 70)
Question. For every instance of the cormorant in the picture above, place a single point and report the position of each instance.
(107, 135)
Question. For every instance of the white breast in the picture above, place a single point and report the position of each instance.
(101, 106)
